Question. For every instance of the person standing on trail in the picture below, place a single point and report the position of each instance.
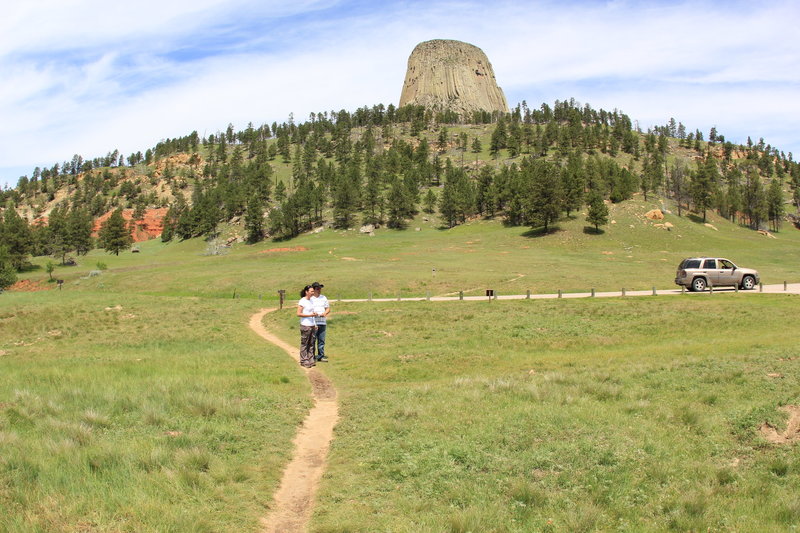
(322, 307)
(305, 310)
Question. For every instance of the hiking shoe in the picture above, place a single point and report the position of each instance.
(322, 359)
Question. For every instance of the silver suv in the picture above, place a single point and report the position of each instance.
(697, 273)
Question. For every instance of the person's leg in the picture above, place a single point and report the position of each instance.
(306, 346)
(321, 342)
(314, 343)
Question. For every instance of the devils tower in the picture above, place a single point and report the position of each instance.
(445, 74)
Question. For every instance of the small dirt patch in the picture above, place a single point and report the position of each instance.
(26, 285)
(321, 385)
(285, 249)
(792, 432)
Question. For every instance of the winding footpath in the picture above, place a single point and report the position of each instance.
(294, 499)
(293, 502)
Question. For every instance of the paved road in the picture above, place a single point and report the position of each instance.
(778, 288)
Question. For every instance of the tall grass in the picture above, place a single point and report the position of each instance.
(125, 413)
(630, 415)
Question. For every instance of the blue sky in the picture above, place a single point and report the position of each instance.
(90, 76)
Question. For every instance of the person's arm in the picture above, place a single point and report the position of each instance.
(301, 314)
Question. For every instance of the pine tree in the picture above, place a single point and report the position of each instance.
(476, 146)
(597, 214)
(499, 138)
(8, 274)
(485, 192)
(429, 202)
(79, 231)
(572, 183)
(254, 220)
(545, 196)
(115, 234)
(16, 237)
(776, 209)
(677, 184)
(448, 205)
(702, 186)
(58, 233)
(754, 199)
(397, 204)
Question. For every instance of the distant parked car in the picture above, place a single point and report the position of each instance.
(697, 273)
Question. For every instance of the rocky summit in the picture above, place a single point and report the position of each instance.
(445, 74)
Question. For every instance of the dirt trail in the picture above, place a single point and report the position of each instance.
(294, 499)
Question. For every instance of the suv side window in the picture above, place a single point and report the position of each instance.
(691, 263)
(724, 263)
(710, 263)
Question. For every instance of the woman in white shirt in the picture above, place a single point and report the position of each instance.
(305, 310)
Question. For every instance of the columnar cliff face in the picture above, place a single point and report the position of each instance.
(445, 74)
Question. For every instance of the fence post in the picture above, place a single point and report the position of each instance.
(528, 295)
(785, 286)
(428, 295)
(398, 296)
(370, 296)
(592, 292)
(760, 287)
(460, 295)
(281, 294)
(623, 291)
(559, 293)
(654, 292)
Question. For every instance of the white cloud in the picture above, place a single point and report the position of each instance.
(84, 76)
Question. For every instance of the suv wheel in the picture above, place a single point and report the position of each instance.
(698, 284)
(748, 283)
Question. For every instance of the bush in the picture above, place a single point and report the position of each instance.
(7, 276)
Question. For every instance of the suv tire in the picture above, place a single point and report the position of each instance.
(748, 283)
(698, 284)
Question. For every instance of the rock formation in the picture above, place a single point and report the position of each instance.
(444, 74)
(149, 227)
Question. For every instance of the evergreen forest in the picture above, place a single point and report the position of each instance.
(383, 166)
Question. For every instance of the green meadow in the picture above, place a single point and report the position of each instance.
(562, 415)
(137, 398)
(425, 259)
(131, 413)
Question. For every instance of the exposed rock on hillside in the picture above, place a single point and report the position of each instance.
(444, 74)
(149, 227)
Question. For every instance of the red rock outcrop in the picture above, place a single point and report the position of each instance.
(149, 227)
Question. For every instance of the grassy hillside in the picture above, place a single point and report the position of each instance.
(633, 252)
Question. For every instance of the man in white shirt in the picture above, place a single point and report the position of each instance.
(322, 307)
